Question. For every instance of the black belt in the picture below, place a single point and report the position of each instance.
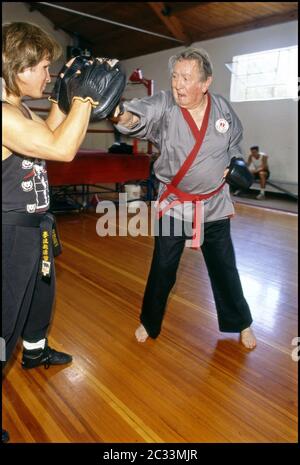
(50, 244)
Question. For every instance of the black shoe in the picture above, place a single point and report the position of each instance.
(46, 357)
(5, 436)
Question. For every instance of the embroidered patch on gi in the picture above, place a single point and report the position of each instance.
(222, 125)
(31, 207)
(26, 164)
(27, 186)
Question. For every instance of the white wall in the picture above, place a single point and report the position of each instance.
(270, 124)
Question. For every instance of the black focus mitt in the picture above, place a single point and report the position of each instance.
(239, 175)
(102, 83)
(67, 71)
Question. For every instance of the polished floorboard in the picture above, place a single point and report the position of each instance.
(192, 384)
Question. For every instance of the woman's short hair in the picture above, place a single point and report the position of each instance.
(24, 45)
(197, 54)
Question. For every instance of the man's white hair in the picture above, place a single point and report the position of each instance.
(197, 54)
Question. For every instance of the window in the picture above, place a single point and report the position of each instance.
(268, 75)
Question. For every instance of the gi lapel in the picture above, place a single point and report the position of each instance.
(199, 137)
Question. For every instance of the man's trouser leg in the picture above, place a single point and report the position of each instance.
(39, 316)
(232, 309)
(161, 279)
(20, 259)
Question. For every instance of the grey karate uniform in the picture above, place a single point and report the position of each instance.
(162, 123)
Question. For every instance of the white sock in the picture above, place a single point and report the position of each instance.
(34, 345)
(262, 191)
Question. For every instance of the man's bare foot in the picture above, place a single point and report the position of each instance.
(248, 339)
(141, 334)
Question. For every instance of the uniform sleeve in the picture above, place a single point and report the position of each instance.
(234, 149)
(151, 111)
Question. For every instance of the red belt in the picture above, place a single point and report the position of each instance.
(196, 199)
(172, 188)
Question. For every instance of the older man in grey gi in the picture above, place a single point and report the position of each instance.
(197, 134)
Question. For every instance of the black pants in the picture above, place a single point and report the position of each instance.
(232, 309)
(27, 300)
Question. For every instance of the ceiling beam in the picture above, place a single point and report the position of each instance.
(171, 22)
(74, 20)
(105, 20)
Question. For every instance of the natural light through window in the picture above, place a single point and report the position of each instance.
(268, 75)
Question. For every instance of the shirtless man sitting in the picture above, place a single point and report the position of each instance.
(258, 165)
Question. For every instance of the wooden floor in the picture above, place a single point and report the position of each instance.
(193, 384)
